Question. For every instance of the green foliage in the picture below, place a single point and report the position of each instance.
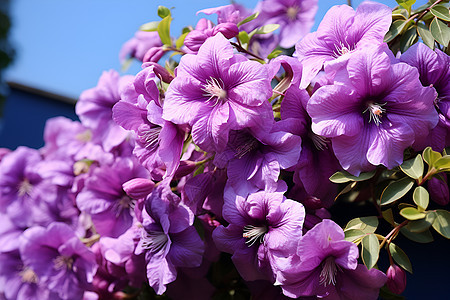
(425, 34)
(343, 176)
(164, 31)
(441, 222)
(413, 167)
(430, 156)
(395, 190)
(243, 37)
(396, 28)
(411, 213)
(441, 12)
(418, 237)
(365, 224)
(352, 235)
(150, 26)
(163, 11)
(248, 19)
(421, 198)
(370, 250)
(409, 38)
(440, 31)
(400, 257)
(274, 53)
(443, 163)
(406, 3)
(180, 41)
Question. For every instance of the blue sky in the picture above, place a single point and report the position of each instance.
(63, 46)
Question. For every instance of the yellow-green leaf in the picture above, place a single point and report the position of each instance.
(267, 28)
(411, 213)
(421, 198)
(366, 224)
(388, 216)
(150, 26)
(248, 19)
(406, 3)
(395, 190)
(343, 176)
(400, 257)
(413, 167)
(443, 163)
(180, 41)
(163, 11)
(370, 250)
(353, 234)
(430, 156)
(164, 31)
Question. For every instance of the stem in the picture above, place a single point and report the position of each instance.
(429, 174)
(388, 238)
(240, 49)
(428, 9)
(349, 2)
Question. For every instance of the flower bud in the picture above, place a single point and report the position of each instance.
(154, 54)
(396, 281)
(229, 30)
(138, 188)
(160, 71)
(438, 189)
(195, 39)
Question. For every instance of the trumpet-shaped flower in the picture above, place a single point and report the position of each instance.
(217, 91)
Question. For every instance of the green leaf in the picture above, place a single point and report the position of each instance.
(406, 3)
(126, 64)
(413, 167)
(267, 28)
(442, 222)
(395, 190)
(180, 41)
(243, 37)
(396, 28)
(408, 39)
(248, 19)
(400, 257)
(400, 13)
(412, 213)
(370, 250)
(419, 225)
(440, 12)
(425, 34)
(163, 11)
(199, 170)
(274, 53)
(347, 189)
(342, 177)
(443, 163)
(365, 224)
(440, 31)
(150, 26)
(421, 198)
(418, 237)
(352, 235)
(430, 156)
(388, 216)
(164, 31)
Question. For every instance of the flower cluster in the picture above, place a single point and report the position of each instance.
(176, 172)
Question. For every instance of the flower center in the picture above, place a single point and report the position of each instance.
(214, 89)
(341, 49)
(246, 145)
(375, 112)
(63, 262)
(292, 12)
(319, 141)
(150, 137)
(29, 276)
(154, 240)
(329, 270)
(124, 203)
(25, 188)
(85, 136)
(254, 234)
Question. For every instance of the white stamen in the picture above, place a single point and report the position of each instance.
(254, 233)
(153, 240)
(341, 49)
(319, 141)
(62, 262)
(150, 137)
(375, 112)
(329, 270)
(214, 89)
(25, 188)
(292, 12)
(246, 147)
(29, 276)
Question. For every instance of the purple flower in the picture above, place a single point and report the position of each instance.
(373, 112)
(94, 108)
(295, 17)
(217, 91)
(263, 228)
(103, 197)
(138, 45)
(434, 70)
(255, 159)
(327, 266)
(59, 259)
(168, 239)
(396, 279)
(158, 142)
(233, 13)
(341, 31)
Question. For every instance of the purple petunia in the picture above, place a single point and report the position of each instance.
(342, 31)
(217, 91)
(326, 266)
(374, 110)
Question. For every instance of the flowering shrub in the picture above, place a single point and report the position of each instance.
(211, 176)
